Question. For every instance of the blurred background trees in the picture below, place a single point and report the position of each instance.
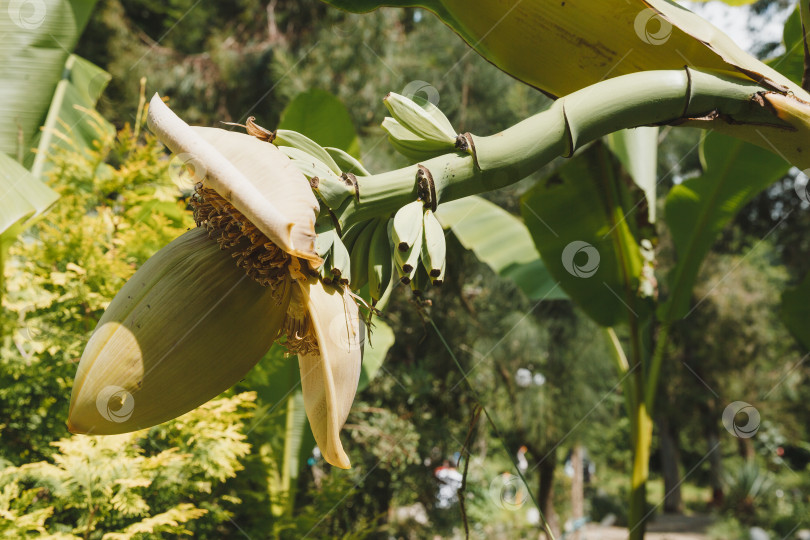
(213, 472)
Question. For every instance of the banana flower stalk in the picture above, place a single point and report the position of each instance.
(199, 314)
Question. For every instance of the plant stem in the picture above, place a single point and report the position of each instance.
(641, 437)
(655, 367)
(650, 97)
(641, 471)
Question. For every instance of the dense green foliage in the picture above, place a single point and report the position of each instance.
(216, 472)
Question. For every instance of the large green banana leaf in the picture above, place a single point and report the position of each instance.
(22, 197)
(71, 112)
(560, 47)
(582, 220)
(734, 172)
(502, 241)
(637, 149)
(795, 311)
(37, 38)
(323, 118)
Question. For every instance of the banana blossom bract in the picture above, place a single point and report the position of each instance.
(191, 323)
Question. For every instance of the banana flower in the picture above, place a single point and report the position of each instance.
(199, 314)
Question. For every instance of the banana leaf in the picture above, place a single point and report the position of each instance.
(587, 235)
(697, 210)
(503, 242)
(323, 118)
(71, 113)
(560, 47)
(36, 40)
(795, 311)
(637, 149)
(791, 63)
(22, 197)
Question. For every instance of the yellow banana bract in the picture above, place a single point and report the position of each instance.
(188, 325)
(329, 378)
(254, 176)
(561, 47)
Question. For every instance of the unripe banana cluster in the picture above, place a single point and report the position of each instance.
(331, 171)
(418, 130)
(410, 248)
(419, 246)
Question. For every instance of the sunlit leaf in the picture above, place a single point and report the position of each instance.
(323, 118)
(698, 209)
(37, 38)
(502, 241)
(582, 221)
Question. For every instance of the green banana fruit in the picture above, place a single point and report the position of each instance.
(434, 247)
(410, 259)
(407, 226)
(412, 145)
(326, 236)
(331, 188)
(360, 250)
(289, 138)
(421, 117)
(347, 162)
(340, 262)
(420, 281)
(349, 235)
(380, 263)
(438, 280)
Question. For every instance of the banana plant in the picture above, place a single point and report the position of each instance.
(374, 231)
(48, 96)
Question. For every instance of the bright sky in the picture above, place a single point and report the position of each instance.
(746, 28)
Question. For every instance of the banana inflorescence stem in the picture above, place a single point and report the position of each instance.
(638, 99)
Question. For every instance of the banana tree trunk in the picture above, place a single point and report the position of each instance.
(670, 466)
